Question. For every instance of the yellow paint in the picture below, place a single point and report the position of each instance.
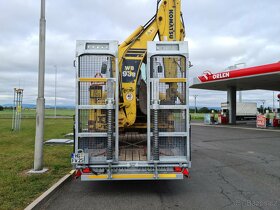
(97, 177)
(166, 176)
(133, 176)
(171, 80)
(93, 79)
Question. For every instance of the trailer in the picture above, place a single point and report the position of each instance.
(105, 151)
(244, 110)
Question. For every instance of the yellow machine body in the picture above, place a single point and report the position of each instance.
(169, 26)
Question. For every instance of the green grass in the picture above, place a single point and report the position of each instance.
(31, 113)
(17, 188)
(197, 116)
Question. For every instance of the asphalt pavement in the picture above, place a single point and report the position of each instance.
(231, 169)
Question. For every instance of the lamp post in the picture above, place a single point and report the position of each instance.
(263, 102)
(40, 109)
(195, 96)
(55, 85)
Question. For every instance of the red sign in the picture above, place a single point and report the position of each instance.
(208, 76)
(246, 72)
(261, 121)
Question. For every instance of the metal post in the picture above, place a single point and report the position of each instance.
(263, 102)
(40, 110)
(240, 96)
(273, 101)
(231, 95)
(55, 84)
(195, 96)
(14, 104)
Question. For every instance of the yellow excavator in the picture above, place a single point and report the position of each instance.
(168, 24)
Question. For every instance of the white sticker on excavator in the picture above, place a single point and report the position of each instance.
(129, 97)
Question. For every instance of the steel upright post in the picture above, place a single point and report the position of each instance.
(40, 110)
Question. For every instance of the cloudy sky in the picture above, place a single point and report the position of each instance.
(220, 33)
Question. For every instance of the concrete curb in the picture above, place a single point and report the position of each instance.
(42, 199)
(234, 127)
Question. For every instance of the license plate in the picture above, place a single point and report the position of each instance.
(78, 158)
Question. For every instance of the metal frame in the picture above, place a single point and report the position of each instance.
(17, 109)
(135, 170)
(111, 48)
(158, 49)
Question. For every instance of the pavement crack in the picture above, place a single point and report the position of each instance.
(241, 192)
(227, 197)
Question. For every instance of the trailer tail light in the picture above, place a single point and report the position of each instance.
(86, 170)
(177, 169)
(184, 171)
(78, 173)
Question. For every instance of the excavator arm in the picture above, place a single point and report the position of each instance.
(169, 26)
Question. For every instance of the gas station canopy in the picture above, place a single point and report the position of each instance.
(265, 77)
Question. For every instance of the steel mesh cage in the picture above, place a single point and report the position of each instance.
(173, 66)
(88, 123)
(170, 120)
(91, 65)
(95, 146)
(171, 146)
(93, 115)
(168, 114)
(85, 96)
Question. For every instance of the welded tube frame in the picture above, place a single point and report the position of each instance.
(153, 50)
(81, 49)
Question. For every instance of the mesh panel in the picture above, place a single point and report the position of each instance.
(91, 65)
(170, 120)
(171, 146)
(95, 93)
(168, 67)
(92, 94)
(95, 146)
(172, 93)
(93, 120)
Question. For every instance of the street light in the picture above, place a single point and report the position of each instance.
(55, 83)
(40, 109)
(195, 96)
(263, 102)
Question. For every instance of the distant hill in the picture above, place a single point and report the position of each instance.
(33, 106)
(209, 107)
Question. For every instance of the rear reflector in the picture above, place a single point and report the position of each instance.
(86, 170)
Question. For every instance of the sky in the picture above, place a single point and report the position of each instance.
(220, 34)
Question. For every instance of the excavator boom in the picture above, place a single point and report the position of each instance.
(169, 26)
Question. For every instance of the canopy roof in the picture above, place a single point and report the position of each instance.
(265, 77)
